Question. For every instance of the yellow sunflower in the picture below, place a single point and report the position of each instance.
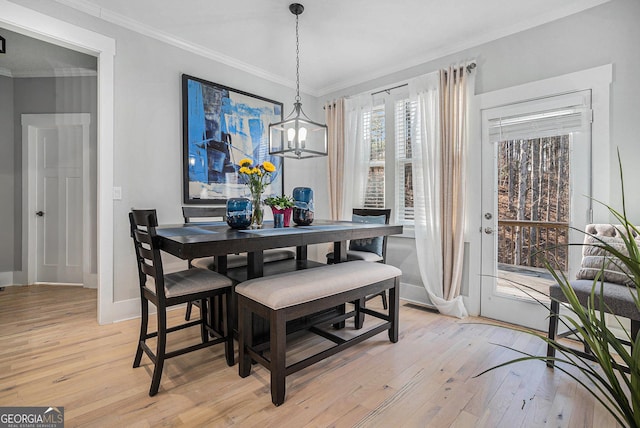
(268, 166)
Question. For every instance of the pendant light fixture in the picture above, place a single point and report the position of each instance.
(297, 136)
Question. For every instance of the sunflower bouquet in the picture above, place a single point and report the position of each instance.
(257, 178)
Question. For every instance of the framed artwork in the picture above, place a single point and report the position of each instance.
(220, 127)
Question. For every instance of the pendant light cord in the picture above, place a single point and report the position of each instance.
(297, 62)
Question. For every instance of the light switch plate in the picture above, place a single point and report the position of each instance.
(117, 193)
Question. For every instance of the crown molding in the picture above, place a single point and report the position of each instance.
(146, 30)
(489, 36)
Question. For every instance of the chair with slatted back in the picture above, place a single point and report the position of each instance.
(372, 249)
(172, 289)
(192, 213)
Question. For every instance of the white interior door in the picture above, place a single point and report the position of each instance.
(57, 149)
(543, 138)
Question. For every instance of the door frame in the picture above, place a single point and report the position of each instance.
(598, 80)
(30, 125)
(40, 26)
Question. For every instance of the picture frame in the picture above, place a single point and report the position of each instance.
(221, 126)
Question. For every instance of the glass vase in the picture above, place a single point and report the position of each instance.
(303, 206)
(239, 213)
(258, 211)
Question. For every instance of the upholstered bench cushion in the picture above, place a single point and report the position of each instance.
(293, 288)
(240, 260)
(617, 297)
(193, 281)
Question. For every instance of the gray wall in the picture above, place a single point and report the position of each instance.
(53, 95)
(6, 175)
(148, 118)
(605, 34)
(147, 130)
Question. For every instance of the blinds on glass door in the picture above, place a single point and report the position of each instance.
(548, 121)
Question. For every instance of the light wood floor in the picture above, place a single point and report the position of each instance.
(53, 353)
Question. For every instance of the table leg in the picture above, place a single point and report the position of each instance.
(255, 264)
(301, 252)
(221, 264)
(340, 251)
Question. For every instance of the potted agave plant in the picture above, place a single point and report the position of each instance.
(281, 205)
(615, 378)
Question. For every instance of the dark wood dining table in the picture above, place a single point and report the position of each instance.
(217, 239)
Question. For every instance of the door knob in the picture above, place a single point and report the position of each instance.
(39, 213)
(488, 230)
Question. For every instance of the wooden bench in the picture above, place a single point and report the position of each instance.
(288, 296)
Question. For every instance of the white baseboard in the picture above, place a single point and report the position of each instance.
(6, 278)
(127, 309)
(414, 293)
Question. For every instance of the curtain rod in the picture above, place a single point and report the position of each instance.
(388, 90)
(469, 67)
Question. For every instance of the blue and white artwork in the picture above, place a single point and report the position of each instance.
(221, 127)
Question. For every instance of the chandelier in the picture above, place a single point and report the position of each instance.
(297, 136)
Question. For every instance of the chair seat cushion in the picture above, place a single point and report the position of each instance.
(192, 281)
(359, 255)
(240, 260)
(617, 297)
(293, 288)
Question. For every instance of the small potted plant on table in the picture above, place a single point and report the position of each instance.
(281, 205)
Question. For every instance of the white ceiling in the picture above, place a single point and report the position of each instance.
(342, 42)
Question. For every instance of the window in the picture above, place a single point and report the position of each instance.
(374, 125)
(405, 115)
(388, 133)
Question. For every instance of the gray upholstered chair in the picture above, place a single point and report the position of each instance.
(369, 250)
(616, 287)
(173, 289)
(192, 213)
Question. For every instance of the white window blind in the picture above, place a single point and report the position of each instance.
(547, 123)
(405, 115)
(374, 127)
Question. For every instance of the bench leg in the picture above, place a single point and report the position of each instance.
(359, 318)
(278, 365)
(394, 310)
(245, 333)
(553, 330)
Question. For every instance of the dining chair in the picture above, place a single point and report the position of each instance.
(166, 290)
(233, 260)
(370, 249)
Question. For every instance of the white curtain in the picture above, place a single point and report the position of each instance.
(429, 199)
(356, 153)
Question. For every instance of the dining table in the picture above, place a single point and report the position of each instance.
(216, 239)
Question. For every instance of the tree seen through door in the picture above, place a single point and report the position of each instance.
(533, 204)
